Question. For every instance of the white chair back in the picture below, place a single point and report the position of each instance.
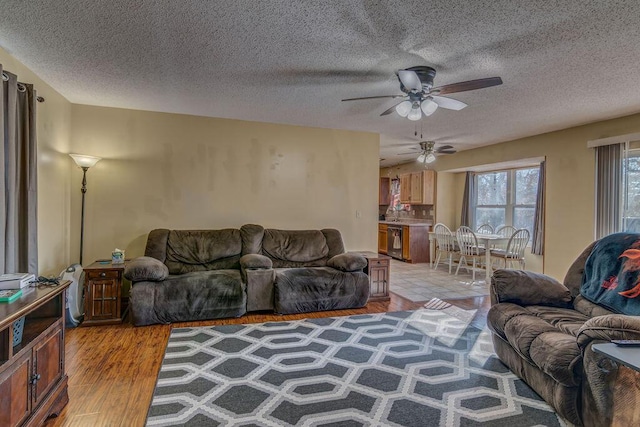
(467, 241)
(485, 228)
(518, 243)
(444, 238)
(506, 230)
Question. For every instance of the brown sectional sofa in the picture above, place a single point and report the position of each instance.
(543, 331)
(208, 274)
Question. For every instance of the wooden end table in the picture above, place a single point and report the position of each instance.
(377, 269)
(104, 303)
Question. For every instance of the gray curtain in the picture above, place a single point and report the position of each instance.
(466, 218)
(608, 189)
(18, 176)
(537, 245)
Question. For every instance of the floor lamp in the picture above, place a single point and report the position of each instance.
(84, 162)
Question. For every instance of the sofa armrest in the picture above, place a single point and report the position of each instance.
(146, 268)
(348, 262)
(255, 261)
(609, 327)
(528, 288)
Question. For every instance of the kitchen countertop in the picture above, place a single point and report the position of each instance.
(410, 223)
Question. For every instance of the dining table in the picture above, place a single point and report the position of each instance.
(484, 239)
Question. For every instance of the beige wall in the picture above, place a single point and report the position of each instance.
(54, 167)
(569, 193)
(187, 172)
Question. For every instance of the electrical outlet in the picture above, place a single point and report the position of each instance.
(358, 215)
(424, 212)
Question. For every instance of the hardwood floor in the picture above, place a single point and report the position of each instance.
(112, 369)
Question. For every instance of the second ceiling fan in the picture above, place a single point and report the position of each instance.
(421, 97)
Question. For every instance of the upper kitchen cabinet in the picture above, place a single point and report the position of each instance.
(405, 188)
(418, 188)
(384, 197)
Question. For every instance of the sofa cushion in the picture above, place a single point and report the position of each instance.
(295, 248)
(301, 290)
(203, 250)
(557, 354)
(145, 268)
(348, 262)
(529, 288)
(500, 314)
(612, 274)
(197, 295)
(565, 320)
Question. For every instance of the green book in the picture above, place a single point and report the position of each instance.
(9, 295)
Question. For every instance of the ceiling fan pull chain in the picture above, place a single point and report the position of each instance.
(420, 129)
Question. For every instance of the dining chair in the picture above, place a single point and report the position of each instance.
(445, 244)
(514, 252)
(504, 231)
(469, 249)
(485, 228)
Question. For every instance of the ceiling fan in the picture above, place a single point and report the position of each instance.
(428, 151)
(421, 97)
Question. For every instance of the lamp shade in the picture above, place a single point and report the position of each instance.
(429, 106)
(430, 158)
(85, 161)
(403, 108)
(415, 113)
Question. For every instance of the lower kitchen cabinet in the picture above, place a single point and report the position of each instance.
(415, 243)
(382, 238)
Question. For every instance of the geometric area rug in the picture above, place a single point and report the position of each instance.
(407, 368)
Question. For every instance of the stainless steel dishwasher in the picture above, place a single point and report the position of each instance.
(394, 241)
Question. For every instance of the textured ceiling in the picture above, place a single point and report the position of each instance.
(563, 63)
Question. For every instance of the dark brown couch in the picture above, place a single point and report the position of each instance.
(210, 274)
(543, 331)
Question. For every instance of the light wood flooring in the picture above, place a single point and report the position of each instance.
(112, 369)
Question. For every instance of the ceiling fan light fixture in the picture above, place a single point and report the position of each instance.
(429, 158)
(415, 113)
(428, 106)
(404, 108)
(422, 158)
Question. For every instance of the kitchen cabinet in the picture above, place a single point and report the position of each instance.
(33, 383)
(405, 188)
(384, 196)
(418, 188)
(382, 238)
(415, 243)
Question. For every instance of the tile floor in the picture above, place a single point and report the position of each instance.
(419, 282)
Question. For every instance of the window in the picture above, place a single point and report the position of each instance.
(507, 197)
(631, 191)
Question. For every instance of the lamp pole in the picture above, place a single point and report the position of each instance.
(84, 162)
(84, 190)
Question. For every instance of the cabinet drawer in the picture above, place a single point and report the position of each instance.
(378, 262)
(91, 275)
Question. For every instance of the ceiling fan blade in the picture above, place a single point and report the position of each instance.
(445, 147)
(374, 97)
(391, 110)
(468, 85)
(410, 80)
(446, 151)
(448, 103)
(406, 154)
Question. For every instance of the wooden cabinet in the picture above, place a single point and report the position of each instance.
(378, 271)
(384, 196)
(418, 188)
(415, 243)
(405, 188)
(33, 383)
(103, 298)
(382, 238)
